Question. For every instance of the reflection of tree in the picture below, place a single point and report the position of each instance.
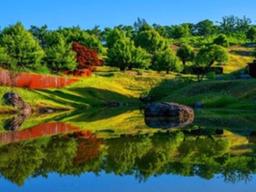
(88, 156)
(202, 148)
(19, 161)
(164, 147)
(239, 169)
(141, 156)
(123, 152)
(59, 152)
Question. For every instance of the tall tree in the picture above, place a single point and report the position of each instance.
(120, 55)
(231, 24)
(21, 46)
(113, 35)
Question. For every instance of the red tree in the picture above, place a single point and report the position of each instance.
(86, 58)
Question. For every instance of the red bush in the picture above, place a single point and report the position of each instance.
(86, 58)
(36, 81)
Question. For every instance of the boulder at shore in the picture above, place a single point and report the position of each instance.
(178, 114)
(15, 100)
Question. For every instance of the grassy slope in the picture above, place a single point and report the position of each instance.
(239, 57)
(108, 84)
(104, 86)
(239, 94)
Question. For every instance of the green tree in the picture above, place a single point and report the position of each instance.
(251, 34)
(183, 30)
(151, 41)
(120, 55)
(140, 58)
(208, 56)
(75, 34)
(232, 24)
(40, 34)
(123, 54)
(21, 46)
(205, 28)
(59, 55)
(123, 153)
(166, 61)
(185, 53)
(221, 40)
(113, 35)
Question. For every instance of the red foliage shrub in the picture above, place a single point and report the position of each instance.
(86, 58)
(34, 81)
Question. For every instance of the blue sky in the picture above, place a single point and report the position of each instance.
(88, 13)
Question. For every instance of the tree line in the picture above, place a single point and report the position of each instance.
(156, 47)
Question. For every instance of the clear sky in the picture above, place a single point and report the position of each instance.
(88, 13)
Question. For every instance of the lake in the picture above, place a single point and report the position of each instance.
(120, 150)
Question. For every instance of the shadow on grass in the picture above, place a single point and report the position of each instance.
(83, 97)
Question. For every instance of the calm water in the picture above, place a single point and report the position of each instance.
(122, 151)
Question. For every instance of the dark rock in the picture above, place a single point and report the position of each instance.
(166, 122)
(168, 115)
(25, 111)
(15, 100)
(14, 123)
(167, 110)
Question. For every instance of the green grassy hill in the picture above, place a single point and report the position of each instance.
(109, 84)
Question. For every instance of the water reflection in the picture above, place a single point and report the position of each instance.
(142, 156)
(167, 122)
(69, 149)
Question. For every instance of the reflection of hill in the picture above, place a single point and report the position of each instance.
(141, 156)
(239, 122)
